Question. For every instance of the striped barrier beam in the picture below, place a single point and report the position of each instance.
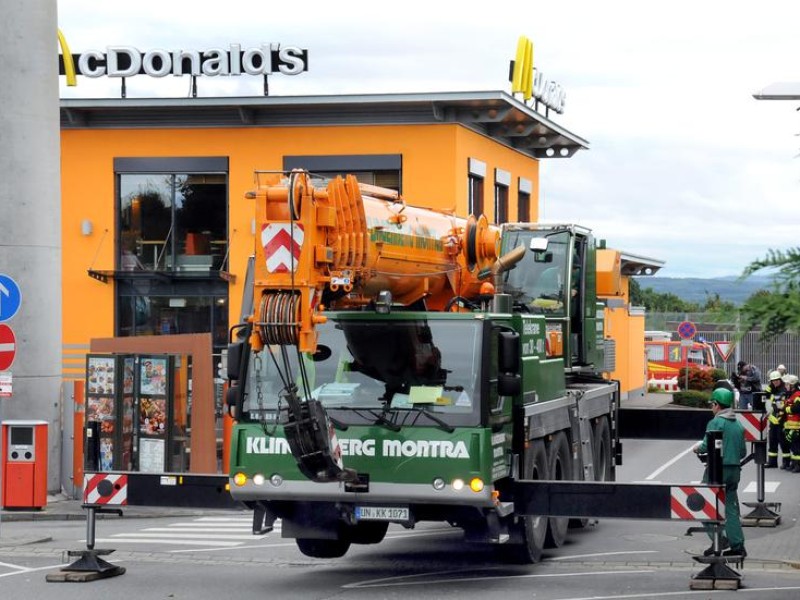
(105, 489)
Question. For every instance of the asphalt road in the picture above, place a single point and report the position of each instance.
(214, 556)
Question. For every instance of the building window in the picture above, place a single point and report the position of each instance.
(383, 170)
(477, 175)
(172, 245)
(524, 200)
(502, 179)
(173, 222)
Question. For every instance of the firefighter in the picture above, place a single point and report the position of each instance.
(776, 396)
(791, 426)
(733, 451)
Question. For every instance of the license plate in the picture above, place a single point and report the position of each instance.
(381, 513)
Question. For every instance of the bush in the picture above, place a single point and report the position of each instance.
(718, 374)
(699, 379)
(691, 398)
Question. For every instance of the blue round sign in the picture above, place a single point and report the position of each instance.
(687, 330)
(10, 297)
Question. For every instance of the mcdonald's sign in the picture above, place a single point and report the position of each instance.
(531, 83)
(127, 61)
(66, 60)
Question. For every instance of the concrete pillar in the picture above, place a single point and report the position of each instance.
(30, 211)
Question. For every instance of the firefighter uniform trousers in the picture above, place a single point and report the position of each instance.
(792, 429)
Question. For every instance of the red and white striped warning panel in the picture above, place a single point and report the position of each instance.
(282, 244)
(754, 425)
(697, 503)
(105, 488)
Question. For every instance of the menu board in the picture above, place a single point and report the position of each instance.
(153, 377)
(151, 455)
(100, 375)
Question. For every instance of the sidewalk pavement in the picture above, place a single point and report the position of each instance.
(650, 400)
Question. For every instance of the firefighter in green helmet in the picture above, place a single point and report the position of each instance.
(733, 451)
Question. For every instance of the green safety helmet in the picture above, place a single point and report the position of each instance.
(722, 397)
(775, 376)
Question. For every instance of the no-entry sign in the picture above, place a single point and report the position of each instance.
(8, 346)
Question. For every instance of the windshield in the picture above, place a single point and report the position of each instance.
(539, 279)
(363, 366)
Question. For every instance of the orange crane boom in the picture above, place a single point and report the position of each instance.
(345, 243)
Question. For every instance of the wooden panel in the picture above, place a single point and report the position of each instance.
(197, 345)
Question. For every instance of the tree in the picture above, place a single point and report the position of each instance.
(775, 311)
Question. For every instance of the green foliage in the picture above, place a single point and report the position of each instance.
(699, 379)
(718, 374)
(775, 311)
(691, 398)
(668, 302)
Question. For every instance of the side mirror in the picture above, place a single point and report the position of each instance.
(234, 360)
(509, 384)
(231, 400)
(538, 244)
(508, 352)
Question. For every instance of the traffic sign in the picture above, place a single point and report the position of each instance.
(8, 347)
(10, 297)
(725, 349)
(687, 330)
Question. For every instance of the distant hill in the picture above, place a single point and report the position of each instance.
(693, 289)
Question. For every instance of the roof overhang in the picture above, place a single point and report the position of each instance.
(633, 265)
(782, 90)
(495, 114)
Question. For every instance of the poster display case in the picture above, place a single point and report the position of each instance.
(101, 405)
(140, 405)
(154, 391)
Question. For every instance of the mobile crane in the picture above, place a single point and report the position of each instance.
(405, 365)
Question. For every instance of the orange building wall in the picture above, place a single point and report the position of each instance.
(435, 159)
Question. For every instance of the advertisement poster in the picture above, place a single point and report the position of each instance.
(106, 454)
(127, 376)
(101, 409)
(153, 377)
(151, 455)
(153, 416)
(100, 375)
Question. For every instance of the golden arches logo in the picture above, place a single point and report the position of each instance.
(69, 63)
(522, 74)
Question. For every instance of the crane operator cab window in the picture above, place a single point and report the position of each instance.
(539, 282)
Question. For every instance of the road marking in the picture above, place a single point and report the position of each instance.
(574, 556)
(180, 530)
(769, 487)
(396, 581)
(669, 463)
(25, 570)
(192, 536)
(748, 590)
(123, 540)
(392, 535)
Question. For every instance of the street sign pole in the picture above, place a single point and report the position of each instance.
(686, 331)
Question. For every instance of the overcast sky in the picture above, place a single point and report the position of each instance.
(684, 165)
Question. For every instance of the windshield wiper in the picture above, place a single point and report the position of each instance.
(443, 425)
(380, 419)
(338, 424)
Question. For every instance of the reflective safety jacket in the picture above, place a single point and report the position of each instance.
(793, 411)
(775, 403)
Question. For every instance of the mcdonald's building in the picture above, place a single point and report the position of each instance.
(157, 229)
